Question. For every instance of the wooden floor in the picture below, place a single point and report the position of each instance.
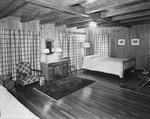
(100, 100)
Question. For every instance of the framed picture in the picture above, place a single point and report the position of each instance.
(135, 42)
(121, 41)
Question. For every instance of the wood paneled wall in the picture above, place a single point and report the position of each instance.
(141, 52)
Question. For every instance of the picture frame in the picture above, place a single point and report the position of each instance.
(135, 41)
(121, 41)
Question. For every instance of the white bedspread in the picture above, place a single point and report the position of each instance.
(11, 108)
(104, 64)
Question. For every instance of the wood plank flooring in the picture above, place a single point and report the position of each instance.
(100, 100)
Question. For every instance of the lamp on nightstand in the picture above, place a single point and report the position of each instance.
(45, 51)
(86, 45)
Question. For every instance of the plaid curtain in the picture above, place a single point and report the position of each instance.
(71, 45)
(16, 46)
(102, 45)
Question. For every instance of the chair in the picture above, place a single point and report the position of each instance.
(143, 75)
(71, 68)
(25, 75)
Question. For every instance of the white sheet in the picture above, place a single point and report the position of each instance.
(11, 108)
(105, 64)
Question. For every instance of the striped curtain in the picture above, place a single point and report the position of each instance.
(102, 45)
(16, 46)
(71, 45)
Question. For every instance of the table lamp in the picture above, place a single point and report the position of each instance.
(86, 45)
(58, 50)
(45, 51)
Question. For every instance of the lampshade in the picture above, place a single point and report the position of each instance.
(58, 50)
(46, 51)
(52, 49)
(86, 45)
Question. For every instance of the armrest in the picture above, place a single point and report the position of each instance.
(36, 70)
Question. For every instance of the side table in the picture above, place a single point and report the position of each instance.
(9, 85)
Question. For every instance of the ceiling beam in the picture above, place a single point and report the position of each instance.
(72, 21)
(77, 24)
(72, 2)
(139, 23)
(130, 9)
(107, 5)
(132, 15)
(56, 19)
(47, 5)
(97, 16)
(38, 15)
(99, 26)
(12, 7)
(136, 20)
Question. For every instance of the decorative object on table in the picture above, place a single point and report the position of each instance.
(46, 51)
(121, 41)
(135, 41)
(63, 87)
(85, 46)
(42, 80)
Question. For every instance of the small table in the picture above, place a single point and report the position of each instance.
(9, 85)
(48, 69)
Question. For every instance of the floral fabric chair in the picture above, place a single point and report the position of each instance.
(26, 75)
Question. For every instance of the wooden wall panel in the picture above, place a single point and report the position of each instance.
(141, 52)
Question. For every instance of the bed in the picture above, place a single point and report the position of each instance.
(11, 108)
(116, 66)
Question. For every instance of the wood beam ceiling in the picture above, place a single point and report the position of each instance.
(130, 9)
(47, 5)
(132, 15)
(72, 2)
(97, 16)
(107, 5)
(57, 19)
(136, 20)
(13, 6)
(38, 15)
(72, 21)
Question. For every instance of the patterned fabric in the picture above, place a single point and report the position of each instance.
(24, 71)
(23, 67)
(28, 80)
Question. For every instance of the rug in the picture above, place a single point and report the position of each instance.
(63, 87)
(130, 85)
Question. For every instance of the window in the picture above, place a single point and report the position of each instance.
(102, 45)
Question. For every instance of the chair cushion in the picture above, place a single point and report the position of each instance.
(23, 67)
(28, 80)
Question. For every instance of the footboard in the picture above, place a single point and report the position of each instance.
(132, 66)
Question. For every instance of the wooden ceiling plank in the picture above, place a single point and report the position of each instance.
(67, 10)
(136, 20)
(130, 9)
(107, 5)
(12, 7)
(132, 15)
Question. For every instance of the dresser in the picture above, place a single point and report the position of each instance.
(49, 70)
